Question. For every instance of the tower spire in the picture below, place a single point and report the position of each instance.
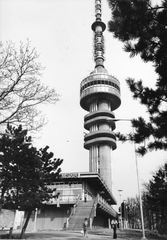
(98, 27)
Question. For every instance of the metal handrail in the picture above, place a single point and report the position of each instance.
(93, 207)
(75, 205)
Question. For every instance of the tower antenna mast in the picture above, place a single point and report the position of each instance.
(98, 27)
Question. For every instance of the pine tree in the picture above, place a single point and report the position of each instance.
(156, 200)
(143, 30)
(25, 172)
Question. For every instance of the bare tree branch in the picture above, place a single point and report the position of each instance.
(21, 90)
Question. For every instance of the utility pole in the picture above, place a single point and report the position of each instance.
(120, 208)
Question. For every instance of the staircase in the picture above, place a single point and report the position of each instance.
(82, 211)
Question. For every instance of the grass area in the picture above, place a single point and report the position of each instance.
(130, 234)
(136, 234)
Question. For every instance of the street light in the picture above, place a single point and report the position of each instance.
(120, 208)
(137, 173)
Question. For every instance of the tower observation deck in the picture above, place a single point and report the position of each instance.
(100, 96)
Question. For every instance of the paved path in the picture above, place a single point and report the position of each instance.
(62, 235)
(98, 234)
(105, 234)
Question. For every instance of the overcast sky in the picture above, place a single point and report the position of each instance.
(60, 30)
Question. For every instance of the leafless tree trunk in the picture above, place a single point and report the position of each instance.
(25, 224)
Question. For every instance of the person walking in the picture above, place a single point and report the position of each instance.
(114, 225)
(85, 196)
(85, 227)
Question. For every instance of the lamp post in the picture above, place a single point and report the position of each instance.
(137, 173)
(124, 210)
(120, 208)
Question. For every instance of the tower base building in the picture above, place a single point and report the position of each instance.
(81, 195)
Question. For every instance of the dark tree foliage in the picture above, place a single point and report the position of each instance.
(155, 200)
(142, 28)
(25, 172)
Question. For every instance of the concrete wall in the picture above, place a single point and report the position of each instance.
(100, 221)
(52, 217)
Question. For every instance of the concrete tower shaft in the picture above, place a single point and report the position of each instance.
(100, 96)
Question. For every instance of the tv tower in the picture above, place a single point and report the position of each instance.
(100, 96)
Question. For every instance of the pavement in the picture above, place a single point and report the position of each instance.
(70, 235)
(76, 236)
(101, 234)
(98, 234)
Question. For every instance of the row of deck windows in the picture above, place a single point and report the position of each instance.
(102, 82)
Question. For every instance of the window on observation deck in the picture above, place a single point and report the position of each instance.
(100, 82)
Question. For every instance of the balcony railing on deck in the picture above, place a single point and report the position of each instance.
(66, 199)
(63, 199)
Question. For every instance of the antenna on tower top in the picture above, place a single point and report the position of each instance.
(98, 10)
(98, 27)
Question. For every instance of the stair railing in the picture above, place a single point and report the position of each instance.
(73, 210)
(92, 213)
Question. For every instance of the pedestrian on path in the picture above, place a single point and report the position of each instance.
(85, 227)
(114, 225)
